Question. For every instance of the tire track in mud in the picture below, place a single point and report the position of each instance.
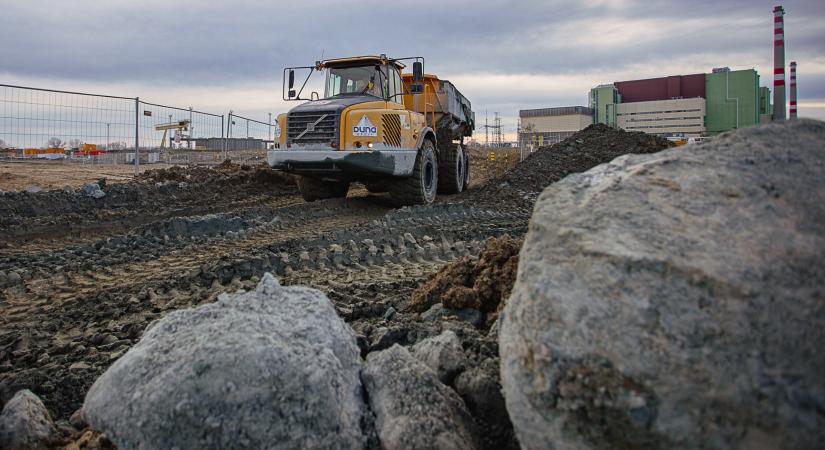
(82, 307)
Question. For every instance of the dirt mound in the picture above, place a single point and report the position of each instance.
(155, 194)
(483, 284)
(596, 144)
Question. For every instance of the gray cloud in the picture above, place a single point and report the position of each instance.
(221, 43)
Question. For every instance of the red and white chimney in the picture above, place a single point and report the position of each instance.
(778, 64)
(792, 114)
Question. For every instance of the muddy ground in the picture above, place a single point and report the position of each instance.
(17, 175)
(81, 278)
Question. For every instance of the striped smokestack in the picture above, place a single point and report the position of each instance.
(792, 114)
(778, 64)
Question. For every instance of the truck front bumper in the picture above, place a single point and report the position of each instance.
(332, 162)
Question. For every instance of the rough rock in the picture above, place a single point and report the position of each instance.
(33, 189)
(274, 368)
(412, 408)
(480, 389)
(443, 354)
(675, 300)
(90, 188)
(25, 423)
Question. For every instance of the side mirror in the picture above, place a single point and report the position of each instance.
(418, 71)
(291, 93)
(291, 80)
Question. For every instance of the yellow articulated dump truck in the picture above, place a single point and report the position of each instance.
(401, 133)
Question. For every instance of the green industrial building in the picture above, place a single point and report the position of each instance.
(605, 98)
(732, 100)
(684, 105)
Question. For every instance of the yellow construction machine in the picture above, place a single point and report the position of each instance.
(401, 133)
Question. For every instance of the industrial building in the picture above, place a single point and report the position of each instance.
(547, 126)
(683, 105)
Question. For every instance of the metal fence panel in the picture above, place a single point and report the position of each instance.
(40, 119)
(193, 129)
(86, 128)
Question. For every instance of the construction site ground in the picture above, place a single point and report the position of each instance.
(81, 278)
(17, 175)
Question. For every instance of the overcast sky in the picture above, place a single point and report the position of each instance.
(503, 55)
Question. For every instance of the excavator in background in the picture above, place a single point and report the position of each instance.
(395, 132)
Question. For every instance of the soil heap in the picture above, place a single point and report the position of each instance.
(482, 283)
(596, 144)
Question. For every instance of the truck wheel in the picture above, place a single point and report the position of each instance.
(466, 168)
(314, 189)
(452, 173)
(421, 186)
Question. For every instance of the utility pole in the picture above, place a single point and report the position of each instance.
(486, 131)
(497, 130)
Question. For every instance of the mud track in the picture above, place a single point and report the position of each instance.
(69, 307)
(82, 278)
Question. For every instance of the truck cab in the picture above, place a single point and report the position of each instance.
(362, 129)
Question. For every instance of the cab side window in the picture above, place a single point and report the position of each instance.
(395, 89)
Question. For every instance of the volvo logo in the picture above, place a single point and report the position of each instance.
(311, 126)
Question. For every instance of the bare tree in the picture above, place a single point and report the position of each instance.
(2, 144)
(75, 143)
(55, 142)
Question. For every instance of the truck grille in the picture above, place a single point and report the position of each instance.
(315, 127)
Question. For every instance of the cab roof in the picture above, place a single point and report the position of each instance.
(355, 61)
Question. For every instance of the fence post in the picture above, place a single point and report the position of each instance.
(137, 135)
(228, 131)
(223, 139)
(191, 130)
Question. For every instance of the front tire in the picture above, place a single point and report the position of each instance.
(421, 186)
(314, 189)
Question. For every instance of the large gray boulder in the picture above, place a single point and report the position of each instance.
(25, 423)
(443, 354)
(413, 410)
(270, 368)
(675, 300)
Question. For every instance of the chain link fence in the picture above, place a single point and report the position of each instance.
(85, 128)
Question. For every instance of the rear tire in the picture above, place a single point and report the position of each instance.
(314, 189)
(466, 169)
(421, 186)
(452, 174)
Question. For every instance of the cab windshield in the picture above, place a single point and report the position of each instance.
(364, 80)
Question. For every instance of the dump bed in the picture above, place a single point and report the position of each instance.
(441, 98)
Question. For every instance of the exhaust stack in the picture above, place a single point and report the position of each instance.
(792, 114)
(778, 64)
